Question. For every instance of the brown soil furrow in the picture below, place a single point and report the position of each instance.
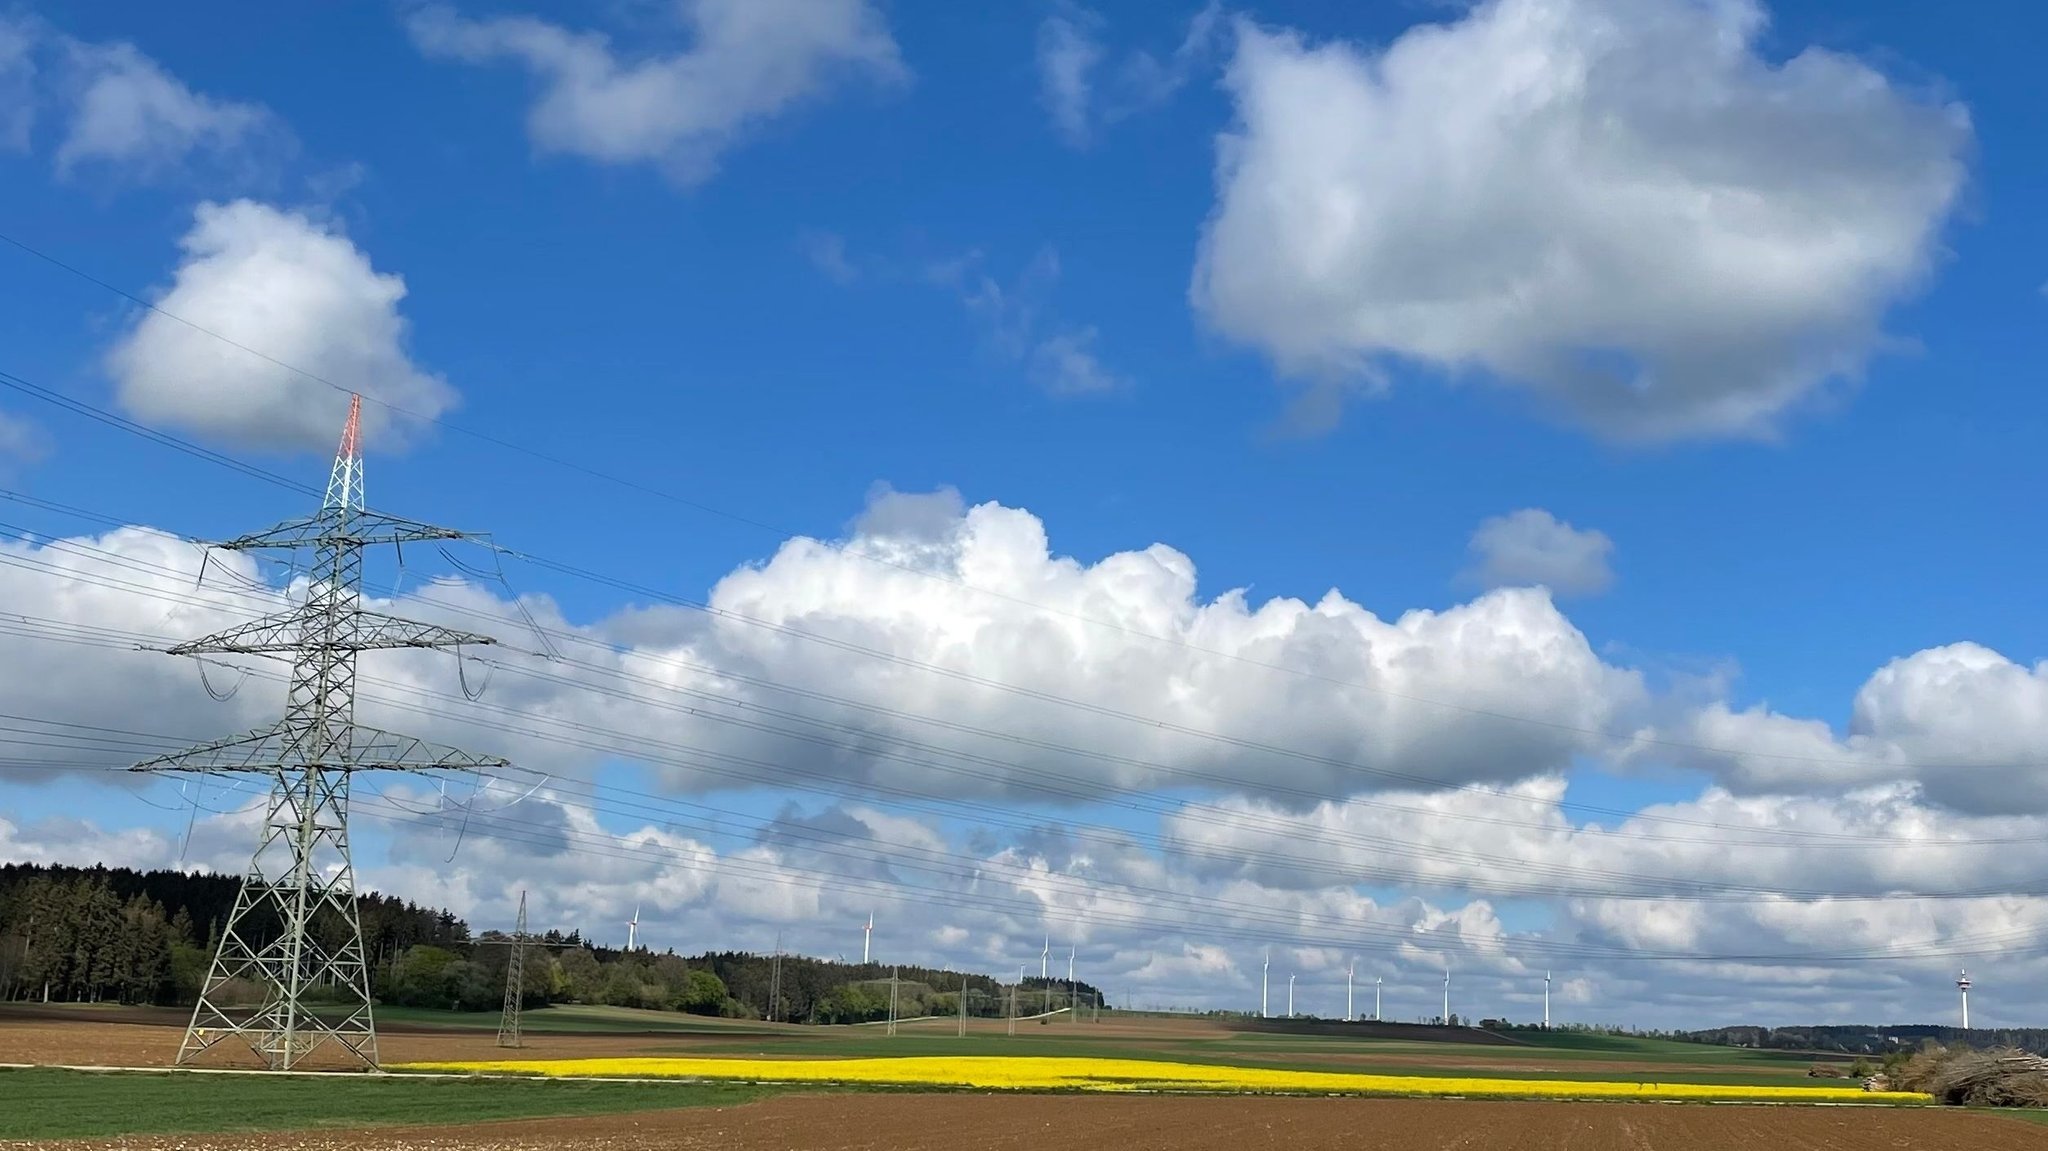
(1031, 1123)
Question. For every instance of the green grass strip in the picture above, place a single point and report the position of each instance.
(47, 1103)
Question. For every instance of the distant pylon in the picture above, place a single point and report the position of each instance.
(515, 982)
(302, 869)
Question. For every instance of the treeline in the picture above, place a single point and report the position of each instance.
(103, 934)
(1868, 1040)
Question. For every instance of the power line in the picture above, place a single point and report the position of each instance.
(1255, 924)
(575, 571)
(1424, 782)
(755, 772)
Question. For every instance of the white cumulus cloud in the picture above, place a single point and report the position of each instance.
(748, 62)
(125, 112)
(289, 289)
(1966, 724)
(1533, 547)
(1361, 806)
(1621, 206)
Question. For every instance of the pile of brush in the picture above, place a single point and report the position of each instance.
(2003, 1078)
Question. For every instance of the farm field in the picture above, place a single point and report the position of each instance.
(145, 1110)
(963, 1122)
(141, 1038)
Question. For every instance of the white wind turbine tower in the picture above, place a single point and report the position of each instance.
(867, 938)
(1376, 981)
(1290, 997)
(1963, 985)
(1349, 972)
(633, 929)
(1447, 997)
(1546, 1001)
(1265, 965)
(1043, 956)
(1073, 1010)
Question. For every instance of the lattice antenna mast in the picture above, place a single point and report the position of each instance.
(515, 982)
(301, 871)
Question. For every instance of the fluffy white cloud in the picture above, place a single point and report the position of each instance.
(1962, 722)
(1620, 205)
(898, 765)
(1171, 683)
(748, 62)
(1533, 547)
(126, 113)
(290, 290)
(1078, 95)
(899, 686)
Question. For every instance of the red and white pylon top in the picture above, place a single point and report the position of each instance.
(345, 483)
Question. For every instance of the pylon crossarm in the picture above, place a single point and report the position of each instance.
(286, 632)
(250, 751)
(359, 529)
(374, 750)
(358, 748)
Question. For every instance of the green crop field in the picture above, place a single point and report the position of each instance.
(53, 1104)
(576, 1018)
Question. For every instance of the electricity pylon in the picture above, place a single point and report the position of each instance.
(301, 869)
(515, 982)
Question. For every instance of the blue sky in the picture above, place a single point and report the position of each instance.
(915, 272)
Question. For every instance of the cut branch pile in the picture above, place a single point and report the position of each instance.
(2003, 1078)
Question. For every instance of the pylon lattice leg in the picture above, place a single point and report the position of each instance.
(299, 893)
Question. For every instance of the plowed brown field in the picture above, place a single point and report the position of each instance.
(1033, 1123)
(139, 1045)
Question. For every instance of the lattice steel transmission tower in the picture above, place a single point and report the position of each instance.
(515, 982)
(301, 869)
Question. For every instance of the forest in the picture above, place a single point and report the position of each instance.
(114, 935)
(1863, 1039)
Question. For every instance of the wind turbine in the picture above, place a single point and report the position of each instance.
(1447, 997)
(1963, 985)
(1290, 997)
(1348, 973)
(1376, 981)
(1071, 1008)
(867, 938)
(1044, 955)
(1546, 1001)
(1265, 966)
(633, 928)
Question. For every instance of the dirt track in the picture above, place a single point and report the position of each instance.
(1032, 1123)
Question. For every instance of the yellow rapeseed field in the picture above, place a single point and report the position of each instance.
(1033, 1073)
